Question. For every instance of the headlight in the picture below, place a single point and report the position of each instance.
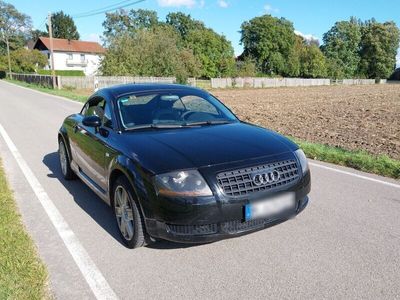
(182, 183)
(302, 159)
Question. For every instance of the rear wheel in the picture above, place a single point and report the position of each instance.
(127, 215)
(66, 170)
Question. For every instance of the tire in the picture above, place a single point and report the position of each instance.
(127, 215)
(64, 159)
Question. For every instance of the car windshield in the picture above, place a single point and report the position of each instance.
(172, 109)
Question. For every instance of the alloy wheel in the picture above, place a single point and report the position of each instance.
(123, 212)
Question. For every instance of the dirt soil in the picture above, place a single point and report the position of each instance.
(352, 117)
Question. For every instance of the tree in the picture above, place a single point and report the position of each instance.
(24, 60)
(212, 50)
(341, 47)
(149, 53)
(63, 26)
(183, 23)
(246, 68)
(35, 34)
(122, 21)
(13, 26)
(270, 42)
(312, 62)
(378, 49)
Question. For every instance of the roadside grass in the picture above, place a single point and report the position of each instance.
(67, 93)
(22, 274)
(360, 160)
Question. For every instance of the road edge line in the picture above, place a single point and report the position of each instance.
(355, 175)
(93, 276)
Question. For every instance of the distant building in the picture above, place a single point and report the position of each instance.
(72, 54)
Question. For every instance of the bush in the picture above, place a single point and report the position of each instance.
(63, 72)
(3, 74)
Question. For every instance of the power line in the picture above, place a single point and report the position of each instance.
(100, 9)
(97, 12)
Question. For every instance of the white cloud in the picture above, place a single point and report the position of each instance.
(177, 3)
(222, 3)
(269, 9)
(307, 37)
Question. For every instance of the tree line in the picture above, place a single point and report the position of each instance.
(139, 43)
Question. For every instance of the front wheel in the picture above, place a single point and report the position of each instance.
(65, 165)
(127, 215)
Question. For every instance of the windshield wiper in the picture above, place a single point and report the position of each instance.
(210, 122)
(155, 126)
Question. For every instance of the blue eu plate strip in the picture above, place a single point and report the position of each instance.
(247, 212)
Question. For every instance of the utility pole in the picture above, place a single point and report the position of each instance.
(8, 55)
(53, 73)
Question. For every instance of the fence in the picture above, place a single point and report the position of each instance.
(88, 82)
(358, 81)
(43, 80)
(261, 82)
(98, 82)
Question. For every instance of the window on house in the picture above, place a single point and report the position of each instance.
(70, 56)
(82, 57)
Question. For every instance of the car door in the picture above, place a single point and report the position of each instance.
(91, 143)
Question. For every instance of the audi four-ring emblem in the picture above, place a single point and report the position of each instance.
(265, 177)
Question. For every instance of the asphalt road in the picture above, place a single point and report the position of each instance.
(345, 245)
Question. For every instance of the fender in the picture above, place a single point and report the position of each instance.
(136, 176)
(62, 133)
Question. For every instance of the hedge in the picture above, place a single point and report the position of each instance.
(63, 72)
(3, 74)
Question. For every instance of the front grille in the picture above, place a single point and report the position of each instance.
(239, 182)
(192, 229)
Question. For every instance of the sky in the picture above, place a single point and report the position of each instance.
(309, 17)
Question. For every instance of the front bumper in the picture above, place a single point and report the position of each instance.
(206, 233)
(192, 221)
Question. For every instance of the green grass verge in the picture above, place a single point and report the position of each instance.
(22, 274)
(360, 160)
(70, 94)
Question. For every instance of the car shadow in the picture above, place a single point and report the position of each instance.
(96, 208)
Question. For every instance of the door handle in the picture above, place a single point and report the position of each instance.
(75, 128)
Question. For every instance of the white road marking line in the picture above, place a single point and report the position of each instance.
(90, 272)
(356, 175)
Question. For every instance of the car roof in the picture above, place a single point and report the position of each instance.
(119, 90)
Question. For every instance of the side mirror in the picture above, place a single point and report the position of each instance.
(92, 121)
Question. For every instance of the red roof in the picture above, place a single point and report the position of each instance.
(65, 45)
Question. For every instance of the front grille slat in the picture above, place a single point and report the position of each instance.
(238, 183)
(192, 229)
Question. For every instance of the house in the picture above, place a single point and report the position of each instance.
(72, 54)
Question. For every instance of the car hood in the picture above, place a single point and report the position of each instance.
(173, 149)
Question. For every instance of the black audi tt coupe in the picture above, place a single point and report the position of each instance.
(174, 163)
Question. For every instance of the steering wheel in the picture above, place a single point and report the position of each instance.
(186, 114)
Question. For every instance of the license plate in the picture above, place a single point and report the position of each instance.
(270, 207)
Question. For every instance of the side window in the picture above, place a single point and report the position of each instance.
(107, 119)
(90, 108)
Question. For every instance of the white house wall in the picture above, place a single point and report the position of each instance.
(62, 61)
